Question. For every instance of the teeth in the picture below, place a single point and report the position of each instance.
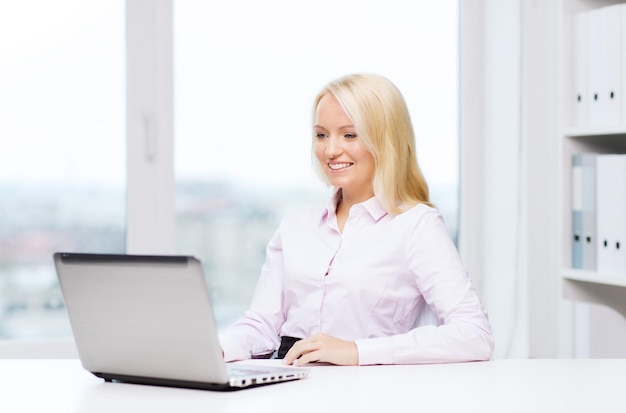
(339, 165)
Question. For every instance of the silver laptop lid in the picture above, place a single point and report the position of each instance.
(141, 316)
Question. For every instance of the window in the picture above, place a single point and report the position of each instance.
(245, 76)
(62, 162)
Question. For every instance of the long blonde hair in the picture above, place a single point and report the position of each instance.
(381, 118)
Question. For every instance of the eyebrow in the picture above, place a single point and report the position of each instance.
(349, 126)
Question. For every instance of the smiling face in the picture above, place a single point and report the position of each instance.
(345, 161)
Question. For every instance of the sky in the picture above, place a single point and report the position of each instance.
(244, 84)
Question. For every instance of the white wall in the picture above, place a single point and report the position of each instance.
(491, 237)
(548, 314)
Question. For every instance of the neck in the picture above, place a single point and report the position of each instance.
(345, 200)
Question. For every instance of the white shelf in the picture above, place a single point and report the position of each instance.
(595, 278)
(591, 133)
(591, 287)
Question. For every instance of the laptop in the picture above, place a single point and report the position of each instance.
(148, 320)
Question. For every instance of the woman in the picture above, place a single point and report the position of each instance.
(356, 281)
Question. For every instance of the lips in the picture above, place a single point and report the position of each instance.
(338, 166)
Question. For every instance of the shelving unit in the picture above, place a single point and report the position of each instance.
(578, 285)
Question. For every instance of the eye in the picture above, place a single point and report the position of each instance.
(350, 135)
(320, 135)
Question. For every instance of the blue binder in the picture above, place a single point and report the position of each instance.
(584, 234)
(577, 213)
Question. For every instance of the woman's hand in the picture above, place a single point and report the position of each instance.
(322, 347)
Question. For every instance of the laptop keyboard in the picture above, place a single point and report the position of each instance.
(244, 372)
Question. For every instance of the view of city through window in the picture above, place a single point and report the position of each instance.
(37, 221)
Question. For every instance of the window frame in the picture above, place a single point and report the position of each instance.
(150, 225)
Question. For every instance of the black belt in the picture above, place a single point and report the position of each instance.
(286, 343)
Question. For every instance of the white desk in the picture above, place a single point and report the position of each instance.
(495, 386)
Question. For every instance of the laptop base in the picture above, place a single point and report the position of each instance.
(183, 384)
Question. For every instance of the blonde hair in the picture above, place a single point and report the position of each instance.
(381, 118)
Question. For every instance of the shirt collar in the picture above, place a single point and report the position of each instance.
(372, 206)
(375, 208)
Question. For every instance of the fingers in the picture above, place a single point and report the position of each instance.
(298, 350)
(321, 347)
(310, 357)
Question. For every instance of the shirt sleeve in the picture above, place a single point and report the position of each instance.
(256, 332)
(463, 332)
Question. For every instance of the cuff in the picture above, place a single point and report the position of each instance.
(375, 351)
(230, 349)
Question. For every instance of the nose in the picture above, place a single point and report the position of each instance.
(333, 147)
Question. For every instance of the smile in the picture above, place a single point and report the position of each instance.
(337, 166)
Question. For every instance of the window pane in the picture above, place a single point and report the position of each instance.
(246, 73)
(62, 163)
